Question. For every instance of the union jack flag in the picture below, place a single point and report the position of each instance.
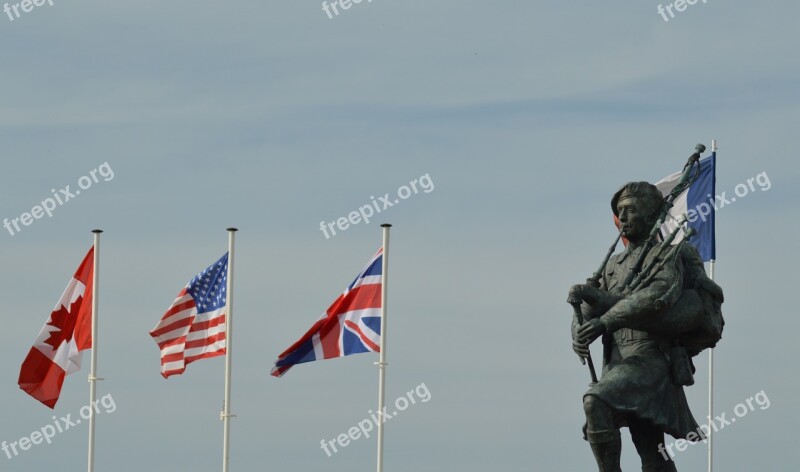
(352, 324)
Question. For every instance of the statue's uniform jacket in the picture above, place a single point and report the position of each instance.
(636, 376)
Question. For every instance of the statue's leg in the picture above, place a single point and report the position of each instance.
(602, 433)
(649, 442)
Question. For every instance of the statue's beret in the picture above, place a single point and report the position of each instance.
(636, 189)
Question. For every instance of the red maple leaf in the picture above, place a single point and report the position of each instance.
(64, 320)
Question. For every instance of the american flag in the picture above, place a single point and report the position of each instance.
(351, 325)
(194, 326)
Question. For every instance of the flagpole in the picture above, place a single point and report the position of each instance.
(93, 369)
(226, 416)
(711, 357)
(382, 359)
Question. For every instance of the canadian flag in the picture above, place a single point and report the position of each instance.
(68, 331)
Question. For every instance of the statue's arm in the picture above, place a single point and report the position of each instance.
(688, 310)
(639, 308)
(681, 317)
(597, 301)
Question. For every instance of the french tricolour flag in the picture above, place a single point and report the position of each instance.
(352, 324)
(698, 202)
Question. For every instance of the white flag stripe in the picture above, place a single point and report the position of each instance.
(175, 366)
(186, 330)
(210, 315)
(357, 317)
(192, 336)
(207, 333)
(318, 352)
(178, 315)
(174, 349)
(174, 334)
(216, 347)
(179, 364)
(367, 280)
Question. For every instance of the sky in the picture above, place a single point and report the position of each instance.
(522, 117)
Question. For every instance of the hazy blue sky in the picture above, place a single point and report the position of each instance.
(272, 117)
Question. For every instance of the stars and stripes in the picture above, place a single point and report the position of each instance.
(194, 326)
(352, 324)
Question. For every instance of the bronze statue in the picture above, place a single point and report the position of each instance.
(655, 308)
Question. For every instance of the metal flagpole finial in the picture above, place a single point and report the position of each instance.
(386, 225)
(232, 229)
(97, 231)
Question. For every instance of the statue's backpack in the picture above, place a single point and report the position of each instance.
(709, 329)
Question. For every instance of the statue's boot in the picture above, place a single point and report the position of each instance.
(607, 448)
(659, 466)
(649, 442)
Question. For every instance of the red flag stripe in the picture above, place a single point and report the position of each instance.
(360, 298)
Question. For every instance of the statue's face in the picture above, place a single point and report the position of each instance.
(635, 221)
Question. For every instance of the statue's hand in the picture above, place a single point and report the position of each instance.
(590, 331)
(580, 348)
(575, 294)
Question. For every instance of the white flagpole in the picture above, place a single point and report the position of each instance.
(382, 359)
(93, 369)
(226, 416)
(711, 360)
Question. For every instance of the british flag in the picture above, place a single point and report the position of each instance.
(352, 324)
